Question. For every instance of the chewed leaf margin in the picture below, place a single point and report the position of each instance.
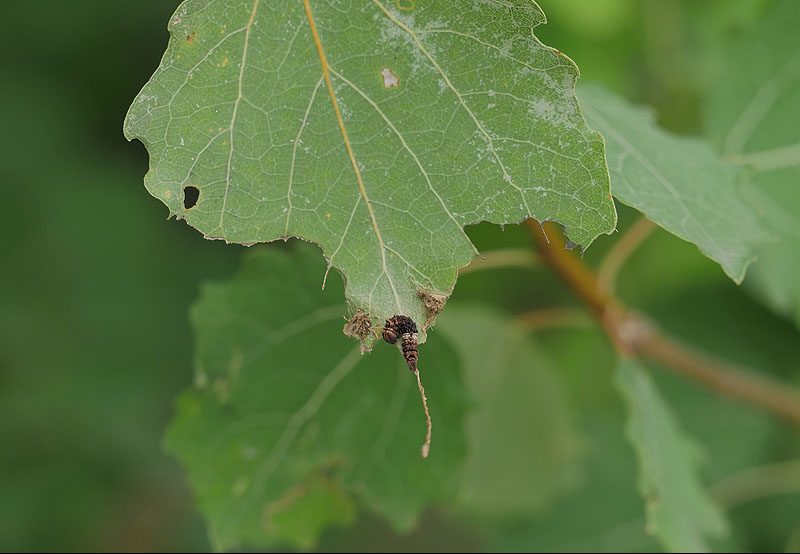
(341, 107)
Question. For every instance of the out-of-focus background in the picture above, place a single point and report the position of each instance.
(95, 284)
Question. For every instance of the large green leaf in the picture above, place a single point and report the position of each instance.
(376, 129)
(523, 447)
(679, 512)
(754, 116)
(287, 423)
(679, 183)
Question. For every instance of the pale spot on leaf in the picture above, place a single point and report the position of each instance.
(390, 80)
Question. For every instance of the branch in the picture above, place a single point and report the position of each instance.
(758, 482)
(546, 318)
(633, 334)
(578, 277)
(502, 258)
(621, 251)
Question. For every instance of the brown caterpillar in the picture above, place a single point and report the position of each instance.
(403, 327)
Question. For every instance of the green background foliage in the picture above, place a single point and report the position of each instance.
(95, 342)
(747, 113)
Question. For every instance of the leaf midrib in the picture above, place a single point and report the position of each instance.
(350, 153)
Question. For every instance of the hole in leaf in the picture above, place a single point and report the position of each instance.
(190, 196)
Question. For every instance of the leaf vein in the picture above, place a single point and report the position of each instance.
(489, 141)
(349, 148)
(236, 104)
(408, 149)
(294, 155)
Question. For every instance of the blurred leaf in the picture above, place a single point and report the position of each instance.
(308, 509)
(281, 400)
(522, 443)
(753, 116)
(794, 541)
(86, 281)
(678, 183)
(604, 515)
(711, 25)
(679, 512)
(597, 19)
(443, 115)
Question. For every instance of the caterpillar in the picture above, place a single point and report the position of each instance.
(403, 328)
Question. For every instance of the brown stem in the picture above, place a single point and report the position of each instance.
(546, 318)
(623, 248)
(577, 276)
(758, 482)
(633, 334)
(503, 258)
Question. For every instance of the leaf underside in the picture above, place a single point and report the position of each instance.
(376, 129)
(679, 183)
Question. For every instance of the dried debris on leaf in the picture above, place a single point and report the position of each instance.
(359, 327)
(434, 304)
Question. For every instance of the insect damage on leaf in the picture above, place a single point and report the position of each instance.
(378, 130)
(190, 197)
(359, 327)
(434, 304)
(390, 80)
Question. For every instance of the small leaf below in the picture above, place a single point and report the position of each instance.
(680, 514)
